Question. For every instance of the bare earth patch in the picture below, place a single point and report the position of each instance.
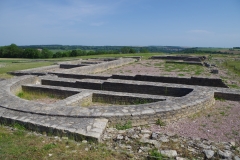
(219, 123)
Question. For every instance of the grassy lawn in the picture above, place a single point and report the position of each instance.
(185, 68)
(233, 66)
(8, 65)
(18, 144)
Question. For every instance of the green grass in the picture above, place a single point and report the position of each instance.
(233, 66)
(124, 126)
(219, 98)
(8, 65)
(169, 67)
(156, 155)
(28, 146)
(37, 95)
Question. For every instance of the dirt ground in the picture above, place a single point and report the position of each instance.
(220, 123)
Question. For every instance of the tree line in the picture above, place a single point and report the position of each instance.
(152, 49)
(13, 51)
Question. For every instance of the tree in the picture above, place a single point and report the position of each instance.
(73, 53)
(132, 50)
(125, 49)
(46, 53)
(57, 55)
(144, 50)
(31, 53)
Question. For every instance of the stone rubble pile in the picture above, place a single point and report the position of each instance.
(140, 142)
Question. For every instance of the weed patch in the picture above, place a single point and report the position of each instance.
(155, 155)
(49, 146)
(160, 122)
(124, 126)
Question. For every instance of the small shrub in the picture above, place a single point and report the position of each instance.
(124, 126)
(160, 122)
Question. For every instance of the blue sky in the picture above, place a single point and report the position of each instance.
(202, 23)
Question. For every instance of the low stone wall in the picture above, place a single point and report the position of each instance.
(181, 58)
(169, 57)
(120, 86)
(186, 62)
(167, 115)
(227, 96)
(71, 62)
(58, 93)
(145, 89)
(121, 99)
(100, 67)
(213, 82)
(39, 71)
(16, 87)
(68, 66)
(82, 76)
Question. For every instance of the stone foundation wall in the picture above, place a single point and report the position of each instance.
(102, 66)
(16, 87)
(31, 71)
(165, 116)
(145, 89)
(186, 62)
(69, 66)
(121, 100)
(119, 86)
(58, 93)
(214, 82)
(181, 58)
(227, 96)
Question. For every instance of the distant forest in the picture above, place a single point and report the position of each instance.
(58, 51)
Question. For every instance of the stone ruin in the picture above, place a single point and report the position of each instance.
(141, 99)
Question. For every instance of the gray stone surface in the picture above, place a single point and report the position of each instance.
(208, 153)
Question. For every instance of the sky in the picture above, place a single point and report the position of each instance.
(191, 23)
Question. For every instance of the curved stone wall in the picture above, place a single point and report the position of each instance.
(68, 117)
